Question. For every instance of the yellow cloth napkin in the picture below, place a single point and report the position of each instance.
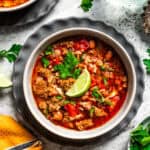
(13, 134)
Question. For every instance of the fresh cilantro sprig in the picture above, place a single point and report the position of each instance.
(140, 138)
(45, 62)
(99, 97)
(147, 62)
(12, 53)
(47, 52)
(86, 5)
(67, 68)
(91, 111)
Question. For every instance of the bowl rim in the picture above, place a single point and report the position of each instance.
(87, 136)
(18, 7)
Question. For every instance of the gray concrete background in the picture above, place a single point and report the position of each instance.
(124, 15)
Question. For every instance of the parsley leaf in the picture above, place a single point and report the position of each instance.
(12, 53)
(45, 62)
(86, 5)
(67, 68)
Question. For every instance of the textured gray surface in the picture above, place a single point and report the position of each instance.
(124, 16)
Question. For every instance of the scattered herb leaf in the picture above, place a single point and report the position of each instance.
(140, 138)
(12, 53)
(45, 62)
(86, 5)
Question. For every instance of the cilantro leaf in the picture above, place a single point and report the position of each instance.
(76, 73)
(86, 5)
(99, 97)
(67, 68)
(45, 62)
(49, 50)
(12, 53)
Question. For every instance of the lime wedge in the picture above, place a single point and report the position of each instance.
(5, 81)
(81, 85)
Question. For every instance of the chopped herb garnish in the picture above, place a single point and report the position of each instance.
(97, 95)
(140, 138)
(86, 5)
(147, 64)
(107, 102)
(67, 68)
(12, 53)
(76, 73)
(59, 97)
(49, 50)
(105, 81)
(69, 102)
(45, 62)
(91, 111)
(103, 68)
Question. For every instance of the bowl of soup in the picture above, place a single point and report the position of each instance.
(79, 83)
(14, 5)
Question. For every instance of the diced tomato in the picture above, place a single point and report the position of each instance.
(60, 47)
(84, 44)
(116, 98)
(101, 85)
(81, 45)
(71, 109)
(94, 82)
(55, 61)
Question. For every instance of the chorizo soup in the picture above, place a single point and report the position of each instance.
(11, 3)
(79, 83)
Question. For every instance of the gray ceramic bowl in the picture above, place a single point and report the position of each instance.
(67, 133)
(26, 4)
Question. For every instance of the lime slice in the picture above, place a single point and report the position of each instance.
(81, 85)
(5, 81)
